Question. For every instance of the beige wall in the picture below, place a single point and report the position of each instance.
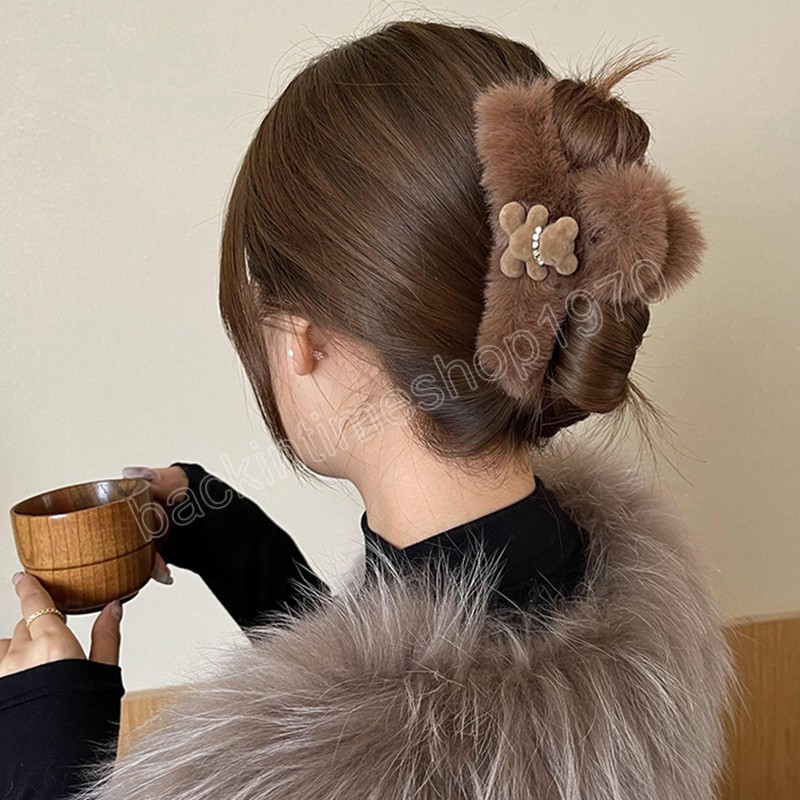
(121, 127)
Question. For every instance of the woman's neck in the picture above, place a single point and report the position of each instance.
(410, 495)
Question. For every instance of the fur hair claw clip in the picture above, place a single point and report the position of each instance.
(638, 242)
(533, 245)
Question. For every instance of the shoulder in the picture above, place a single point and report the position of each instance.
(444, 695)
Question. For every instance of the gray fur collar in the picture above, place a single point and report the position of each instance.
(394, 693)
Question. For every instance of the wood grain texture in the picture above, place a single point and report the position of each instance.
(139, 709)
(764, 736)
(89, 543)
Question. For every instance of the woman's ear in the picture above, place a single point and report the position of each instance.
(301, 348)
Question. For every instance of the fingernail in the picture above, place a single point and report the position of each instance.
(163, 576)
(116, 610)
(16, 577)
(139, 472)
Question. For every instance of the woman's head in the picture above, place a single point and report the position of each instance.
(358, 227)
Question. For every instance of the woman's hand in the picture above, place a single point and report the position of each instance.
(48, 638)
(168, 485)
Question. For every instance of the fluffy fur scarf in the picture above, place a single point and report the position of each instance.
(393, 690)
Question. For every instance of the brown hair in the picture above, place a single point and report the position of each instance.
(358, 206)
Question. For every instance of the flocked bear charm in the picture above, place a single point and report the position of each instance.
(533, 245)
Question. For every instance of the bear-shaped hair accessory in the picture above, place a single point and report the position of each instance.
(533, 245)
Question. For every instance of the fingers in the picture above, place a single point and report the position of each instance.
(33, 597)
(20, 634)
(106, 635)
(168, 486)
(19, 641)
(161, 571)
(166, 483)
(139, 472)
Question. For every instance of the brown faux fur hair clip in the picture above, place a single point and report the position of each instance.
(568, 151)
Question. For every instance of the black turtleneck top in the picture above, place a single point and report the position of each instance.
(542, 552)
(55, 717)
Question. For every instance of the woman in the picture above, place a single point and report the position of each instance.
(436, 256)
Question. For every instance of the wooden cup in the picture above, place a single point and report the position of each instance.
(89, 543)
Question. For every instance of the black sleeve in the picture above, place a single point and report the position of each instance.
(251, 565)
(56, 720)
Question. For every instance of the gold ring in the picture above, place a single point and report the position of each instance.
(41, 612)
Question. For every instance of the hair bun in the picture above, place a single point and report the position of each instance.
(594, 126)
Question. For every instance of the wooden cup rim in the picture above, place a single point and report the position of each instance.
(137, 490)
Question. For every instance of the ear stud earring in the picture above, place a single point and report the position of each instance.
(315, 354)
